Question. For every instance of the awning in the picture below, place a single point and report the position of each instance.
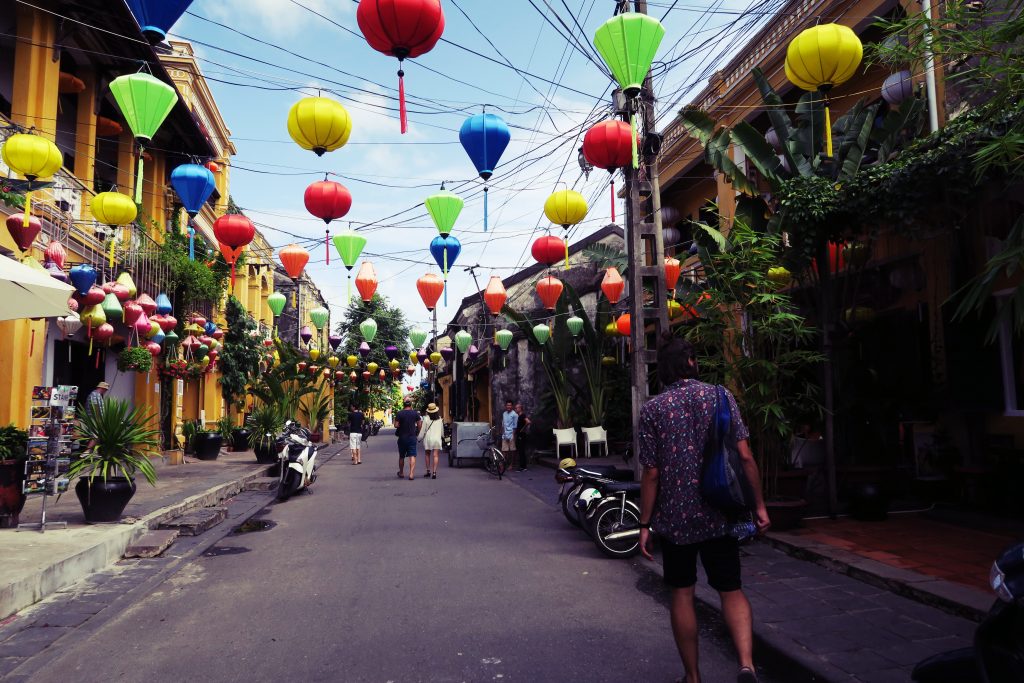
(29, 293)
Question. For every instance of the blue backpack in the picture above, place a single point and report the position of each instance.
(723, 482)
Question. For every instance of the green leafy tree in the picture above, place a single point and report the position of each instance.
(392, 329)
(283, 384)
(239, 359)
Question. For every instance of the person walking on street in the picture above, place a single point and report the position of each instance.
(96, 396)
(431, 434)
(407, 425)
(673, 429)
(522, 434)
(509, 422)
(355, 434)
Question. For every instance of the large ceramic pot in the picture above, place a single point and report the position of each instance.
(207, 445)
(786, 513)
(316, 437)
(266, 455)
(12, 499)
(103, 500)
(240, 439)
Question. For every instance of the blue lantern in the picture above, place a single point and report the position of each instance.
(194, 185)
(425, 385)
(210, 327)
(445, 250)
(484, 137)
(163, 304)
(83, 277)
(156, 17)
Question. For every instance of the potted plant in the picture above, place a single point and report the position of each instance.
(121, 443)
(240, 439)
(135, 359)
(13, 455)
(317, 409)
(189, 429)
(226, 428)
(265, 423)
(206, 443)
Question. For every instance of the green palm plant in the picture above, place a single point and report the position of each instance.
(317, 407)
(284, 385)
(264, 423)
(121, 442)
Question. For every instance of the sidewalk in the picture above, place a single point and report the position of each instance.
(38, 564)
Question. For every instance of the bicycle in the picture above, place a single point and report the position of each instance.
(494, 460)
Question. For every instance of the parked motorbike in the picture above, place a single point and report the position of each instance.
(296, 461)
(603, 501)
(998, 652)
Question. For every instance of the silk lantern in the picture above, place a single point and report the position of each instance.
(609, 145)
(549, 289)
(495, 295)
(366, 281)
(55, 252)
(328, 201)
(113, 209)
(319, 124)
(435, 358)
(368, 328)
(24, 235)
(194, 185)
(673, 269)
(444, 208)
(445, 251)
(314, 354)
(430, 287)
(163, 304)
(319, 317)
(126, 281)
(448, 353)
(484, 137)
(349, 245)
(624, 324)
(364, 349)
(145, 102)
(613, 285)
(542, 333)
(34, 158)
(417, 336)
(352, 361)
(404, 29)
(548, 249)
(462, 340)
(820, 58)
(504, 338)
(235, 232)
(575, 325)
(897, 88)
(566, 208)
(83, 277)
(305, 334)
(335, 341)
(156, 17)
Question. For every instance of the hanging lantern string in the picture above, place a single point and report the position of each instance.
(327, 244)
(613, 198)
(402, 113)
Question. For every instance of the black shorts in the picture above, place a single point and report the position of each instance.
(720, 557)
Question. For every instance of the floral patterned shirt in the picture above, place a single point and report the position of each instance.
(673, 430)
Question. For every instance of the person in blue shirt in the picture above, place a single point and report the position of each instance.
(509, 422)
(407, 426)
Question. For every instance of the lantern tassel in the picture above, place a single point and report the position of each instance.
(110, 254)
(567, 248)
(28, 208)
(88, 332)
(191, 242)
(632, 137)
(613, 200)
(828, 131)
(138, 179)
(327, 245)
(485, 208)
(349, 299)
(402, 114)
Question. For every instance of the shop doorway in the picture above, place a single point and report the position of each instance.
(73, 366)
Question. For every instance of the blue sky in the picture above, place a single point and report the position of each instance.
(544, 119)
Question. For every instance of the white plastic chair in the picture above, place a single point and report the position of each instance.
(565, 437)
(594, 436)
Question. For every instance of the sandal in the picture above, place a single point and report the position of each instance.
(433, 475)
(746, 675)
(427, 475)
(400, 475)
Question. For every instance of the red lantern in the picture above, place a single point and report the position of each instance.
(353, 376)
(430, 287)
(609, 145)
(672, 271)
(294, 258)
(339, 375)
(234, 231)
(55, 252)
(549, 289)
(383, 375)
(495, 295)
(366, 281)
(328, 201)
(366, 375)
(624, 325)
(613, 285)
(401, 28)
(548, 249)
(103, 333)
(212, 166)
(24, 235)
(302, 366)
(94, 296)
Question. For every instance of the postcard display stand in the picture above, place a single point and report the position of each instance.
(49, 446)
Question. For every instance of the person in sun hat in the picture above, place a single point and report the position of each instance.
(95, 398)
(432, 435)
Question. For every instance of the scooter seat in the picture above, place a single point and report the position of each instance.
(606, 471)
(619, 486)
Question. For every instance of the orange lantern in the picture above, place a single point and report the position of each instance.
(366, 281)
(624, 325)
(294, 259)
(549, 289)
(495, 296)
(430, 287)
(613, 285)
(673, 269)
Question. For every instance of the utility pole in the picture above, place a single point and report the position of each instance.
(645, 250)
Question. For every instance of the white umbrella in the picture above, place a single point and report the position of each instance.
(29, 293)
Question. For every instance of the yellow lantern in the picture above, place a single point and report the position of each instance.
(435, 358)
(314, 354)
(675, 309)
(820, 58)
(113, 209)
(372, 367)
(394, 364)
(566, 208)
(333, 361)
(352, 361)
(319, 124)
(34, 158)
(414, 357)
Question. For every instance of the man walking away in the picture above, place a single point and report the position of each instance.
(355, 434)
(407, 426)
(95, 398)
(522, 434)
(509, 422)
(673, 430)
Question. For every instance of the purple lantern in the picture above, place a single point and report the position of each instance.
(364, 349)
(335, 341)
(448, 353)
(422, 355)
(391, 352)
(473, 352)
(56, 271)
(305, 334)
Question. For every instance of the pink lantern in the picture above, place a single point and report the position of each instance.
(218, 334)
(132, 312)
(103, 333)
(147, 303)
(153, 348)
(121, 292)
(167, 323)
(94, 296)
(141, 325)
(55, 252)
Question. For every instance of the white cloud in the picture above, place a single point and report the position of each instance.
(279, 18)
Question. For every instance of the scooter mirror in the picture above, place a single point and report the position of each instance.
(1007, 576)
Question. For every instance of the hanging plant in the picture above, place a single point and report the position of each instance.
(135, 359)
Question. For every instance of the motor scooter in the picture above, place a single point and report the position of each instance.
(998, 652)
(296, 461)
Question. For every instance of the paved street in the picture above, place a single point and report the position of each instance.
(372, 578)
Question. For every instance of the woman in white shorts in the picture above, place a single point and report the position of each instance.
(432, 435)
(355, 435)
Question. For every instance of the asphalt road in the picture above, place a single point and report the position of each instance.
(372, 578)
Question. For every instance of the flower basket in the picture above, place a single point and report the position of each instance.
(135, 359)
(182, 369)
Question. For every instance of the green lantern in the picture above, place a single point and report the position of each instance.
(112, 308)
(418, 337)
(627, 43)
(444, 208)
(349, 245)
(319, 317)
(201, 351)
(542, 333)
(276, 303)
(462, 340)
(369, 329)
(504, 338)
(145, 102)
(171, 339)
(575, 325)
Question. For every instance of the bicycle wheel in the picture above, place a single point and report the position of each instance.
(617, 530)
